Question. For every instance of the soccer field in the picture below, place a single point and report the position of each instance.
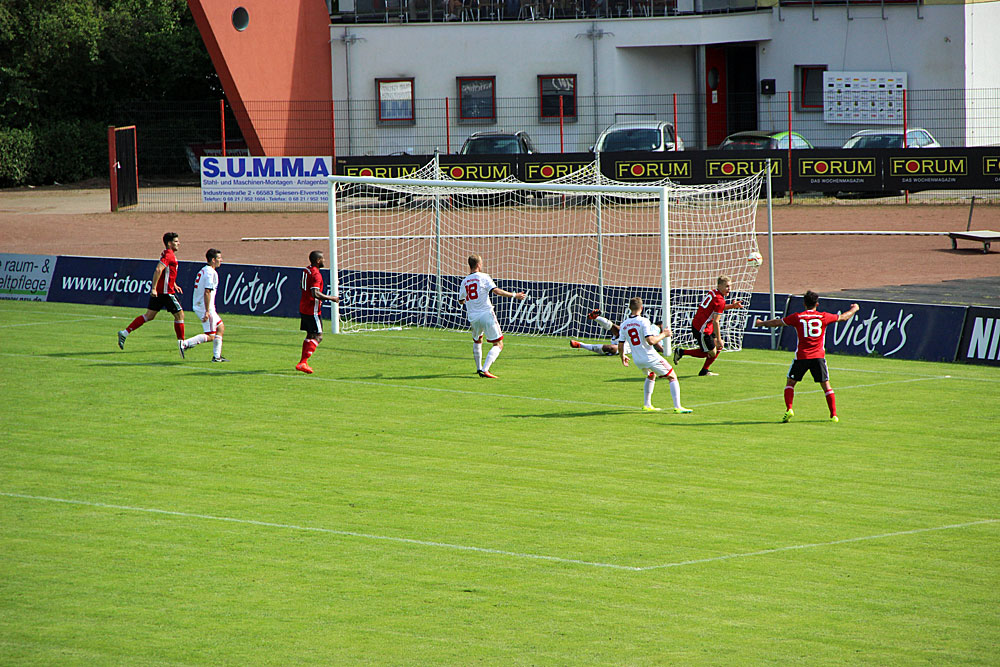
(395, 509)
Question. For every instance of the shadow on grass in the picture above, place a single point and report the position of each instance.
(574, 415)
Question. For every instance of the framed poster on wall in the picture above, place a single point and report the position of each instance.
(552, 88)
(477, 98)
(863, 98)
(395, 100)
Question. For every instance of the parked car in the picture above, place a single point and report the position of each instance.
(759, 140)
(645, 135)
(916, 137)
(498, 143)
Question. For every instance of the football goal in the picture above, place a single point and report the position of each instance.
(399, 249)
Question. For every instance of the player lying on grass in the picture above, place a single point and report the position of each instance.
(810, 353)
(474, 293)
(206, 285)
(706, 326)
(638, 332)
(610, 348)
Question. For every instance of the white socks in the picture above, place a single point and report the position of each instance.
(593, 347)
(217, 346)
(604, 322)
(647, 391)
(477, 354)
(491, 356)
(675, 392)
(196, 340)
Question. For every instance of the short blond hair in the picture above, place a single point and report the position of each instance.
(724, 280)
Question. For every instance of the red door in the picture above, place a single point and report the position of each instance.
(716, 120)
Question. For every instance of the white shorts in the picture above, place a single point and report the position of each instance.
(486, 324)
(211, 325)
(656, 364)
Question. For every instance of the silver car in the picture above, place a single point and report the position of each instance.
(916, 137)
(645, 135)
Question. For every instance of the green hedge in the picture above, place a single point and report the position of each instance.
(61, 151)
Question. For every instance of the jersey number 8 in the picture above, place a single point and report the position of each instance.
(633, 337)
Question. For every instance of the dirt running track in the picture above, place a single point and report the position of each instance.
(76, 222)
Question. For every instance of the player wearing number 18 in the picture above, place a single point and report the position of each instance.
(810, 354)
(474, 293)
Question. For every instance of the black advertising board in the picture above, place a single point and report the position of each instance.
(548, 166)
(942, 168)
(836, 170)
(981, 336)
(480, 167)
(641, 167)
(381, 166)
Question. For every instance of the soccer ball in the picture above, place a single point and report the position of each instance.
(754, 259)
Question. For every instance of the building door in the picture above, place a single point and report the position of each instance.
(716, 113)
(741, 87)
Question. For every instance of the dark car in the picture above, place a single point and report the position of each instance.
(498, 143)
(755, 140)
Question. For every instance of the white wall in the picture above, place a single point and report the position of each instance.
(982, 73)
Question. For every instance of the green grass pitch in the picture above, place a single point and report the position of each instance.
(395, 509)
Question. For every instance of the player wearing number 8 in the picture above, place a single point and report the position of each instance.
(638, 332)
(810, 353)
(475, 292)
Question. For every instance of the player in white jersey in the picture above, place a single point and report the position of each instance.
(206, 286)
(611, 347)
(638, 332)
(475, 292)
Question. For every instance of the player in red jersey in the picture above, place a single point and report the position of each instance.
(163, 293)
(309, 308)
(810, 353)
(705, 326)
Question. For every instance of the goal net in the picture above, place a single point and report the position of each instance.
(399, 250)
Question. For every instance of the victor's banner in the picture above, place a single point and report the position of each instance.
(889, 329)
(26, 277)
(243, 289)
(981, 338)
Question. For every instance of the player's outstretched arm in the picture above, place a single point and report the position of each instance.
(848, 314)
(776, 322)
(511, 295)
(734, 304)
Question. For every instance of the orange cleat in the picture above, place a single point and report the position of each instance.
(574, 344)
(594, 314)
(304, 367)
(486, 374)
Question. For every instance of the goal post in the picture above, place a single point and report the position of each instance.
(398, 250)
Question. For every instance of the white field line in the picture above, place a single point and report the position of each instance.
(487, 550)
(46, 323)
(764, 552)
(327, 531)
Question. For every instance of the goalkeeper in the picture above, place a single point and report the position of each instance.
(610, 348)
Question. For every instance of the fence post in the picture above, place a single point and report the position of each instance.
(222, 118)
(447, 125)
(113, 167)
(676, 132)
(333, 138)
(906, 193)
(790, 195)
(561, 145)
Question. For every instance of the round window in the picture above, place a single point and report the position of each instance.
(241, 19)
(713, 78)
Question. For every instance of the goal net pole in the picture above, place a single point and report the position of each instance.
(334, 273)
(665, 269)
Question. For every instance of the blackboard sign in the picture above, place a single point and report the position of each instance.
(477, 98)
(552, 87)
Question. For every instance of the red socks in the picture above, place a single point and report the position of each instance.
(695, 353)
(179, 329)
(831, 403)
(708, 362)
(789, 396)
(136, 323)
(308, 347)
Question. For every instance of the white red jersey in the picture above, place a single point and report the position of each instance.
(311, 277)
(714, 302)
(207, 279)
(633, 330)
(810, 327)
(167, 284)
(475, 292)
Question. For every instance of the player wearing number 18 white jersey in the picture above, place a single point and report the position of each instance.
(474, 293)
(638, 332)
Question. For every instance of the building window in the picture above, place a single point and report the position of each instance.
(477, 98)
(551, 89)
(395, 100)
(810, 87)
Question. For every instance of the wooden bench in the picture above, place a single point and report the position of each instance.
(983, 236)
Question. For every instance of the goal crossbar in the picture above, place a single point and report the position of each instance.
(499, 185)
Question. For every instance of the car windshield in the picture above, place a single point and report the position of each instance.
(645, 139)
(491, 146)
(746, 142)
(875, 141)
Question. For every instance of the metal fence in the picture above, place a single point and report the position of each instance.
(171, 136)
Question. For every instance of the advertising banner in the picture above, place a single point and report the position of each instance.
(26, 277)
(264, 179)
(981, 337)
(889, 329)
(836, 170)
